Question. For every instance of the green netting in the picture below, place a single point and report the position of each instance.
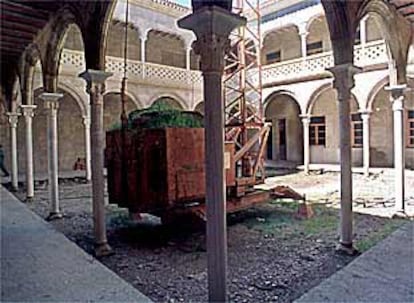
(162, 115)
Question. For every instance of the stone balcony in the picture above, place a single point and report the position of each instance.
(370, 54)
(73, 62)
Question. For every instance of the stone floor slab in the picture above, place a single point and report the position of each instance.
(39, 264)
(385, 273)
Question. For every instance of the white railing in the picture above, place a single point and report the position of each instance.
(136, 70)
(364, 55)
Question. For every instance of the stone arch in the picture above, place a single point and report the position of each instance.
(70, 133)
(53, 43)
(286, 40)
(381, 128)
(116, 40)
(312, 19)
(176, 101)
(395, 29)
(285, 141)
(324, 108)
(318, 31)
(278, 93)
(174, 55)
(199, 107)
(113, 109)
(375, 90)
(130, 97)
(315, 96)
(75, 95)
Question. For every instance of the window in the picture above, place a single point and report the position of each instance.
(317, 131)
(410, 130)
(314, 48)
(273, 57)
(356, 130)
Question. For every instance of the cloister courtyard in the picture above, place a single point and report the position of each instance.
(274, 256)
(219, 151)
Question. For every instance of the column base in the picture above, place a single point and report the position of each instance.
(103, 250)
(54, 216)
(400, 214)
(29, 200)
(346, 249)
(14, 189)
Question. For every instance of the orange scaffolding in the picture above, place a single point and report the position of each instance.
(245, 124)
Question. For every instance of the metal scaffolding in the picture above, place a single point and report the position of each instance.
(243, 95)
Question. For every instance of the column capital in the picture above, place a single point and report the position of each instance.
(305, 118)
(95, 80)
(397, 90)
(303, 29)
(212, 26)
(366, 113)
(86, 120)
(344, 79)
(51, 100)
(13, 118)
(143, 35)
(397, 96)
(95, 76)
(28, 110)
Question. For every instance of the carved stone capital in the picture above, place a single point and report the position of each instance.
(95, 83)
(212, 49)
(13, 118)
(28, 110)
(305, 119)
(212, 26)
(344, 79)
(86, 121)
(397, 93)
(51, 100)
(365, 115)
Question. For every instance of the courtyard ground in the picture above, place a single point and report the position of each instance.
(272, 255)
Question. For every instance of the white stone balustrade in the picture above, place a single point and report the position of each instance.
(161, 74)
(370, 54)
(365, 55)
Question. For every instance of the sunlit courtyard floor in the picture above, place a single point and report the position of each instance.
(273, 256)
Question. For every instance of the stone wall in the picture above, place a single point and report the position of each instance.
(326, 105)
(284, 107)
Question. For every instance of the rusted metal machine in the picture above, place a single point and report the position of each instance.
(161, 170)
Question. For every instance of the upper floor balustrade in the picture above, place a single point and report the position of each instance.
(369, 54)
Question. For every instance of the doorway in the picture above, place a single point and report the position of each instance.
(281, 123)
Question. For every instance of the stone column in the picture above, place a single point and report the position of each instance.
(343, 83)
(51, 104)
(306, 144)
(13, 118)
(212, 26)
(143, 40)
(397, 99)
(87, 129)
(95, 80)
(365, 115)
(28, 113)
(363, 30)
(303, 35)
(188, 58)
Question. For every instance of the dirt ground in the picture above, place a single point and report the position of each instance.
(272, 255)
